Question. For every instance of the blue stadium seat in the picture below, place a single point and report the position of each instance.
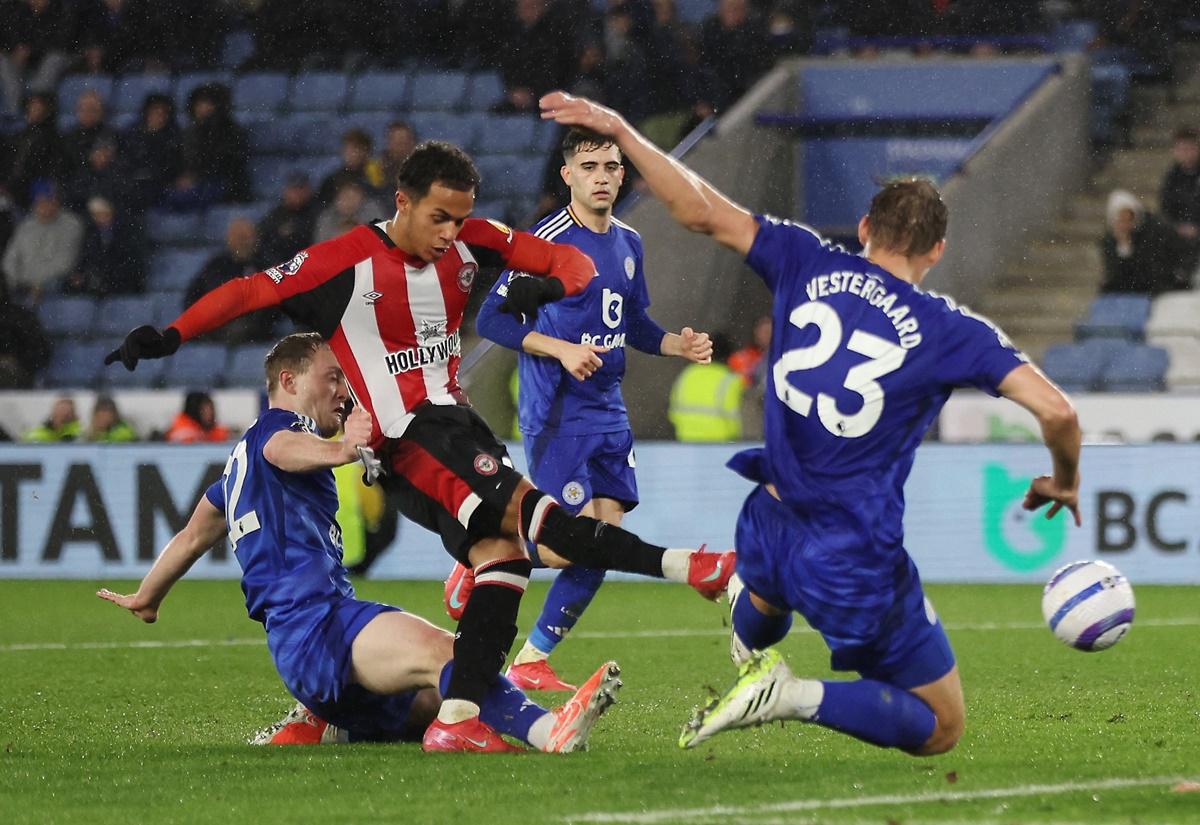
(550, 137)
(260, 93)
(178, 228)
(509, 176)
(174, 269)
(267, 175)
(72, 86)
(496, 209)
(130, 91)
(374, 124)
(216, 221)
(1116, 316)
(76, 364)
(313, 134)
(238, 48)
(121, 313)
(438, 91)
(196, 365)
(379, 92)
(67, 315)
(1077, 367)
(167, 306)
(484, 90)
(186, 82)
(508, 134)
(1139, 368)
(272, 137)
(318, 92)
(245, 366)
(457, 129)
(694, 11)
(148, 374)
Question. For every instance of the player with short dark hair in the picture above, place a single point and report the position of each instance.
(389, 298)
(362, 671)
(578, 442)
(861, 361)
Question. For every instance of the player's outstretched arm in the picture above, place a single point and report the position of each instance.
(296, 452)
(689, 345)
(204, 528)
(1027, 386)
(691, 200)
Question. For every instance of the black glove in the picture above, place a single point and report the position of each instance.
(144, 342)
(526, 293)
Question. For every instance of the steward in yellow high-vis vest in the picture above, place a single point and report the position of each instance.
(706, 403)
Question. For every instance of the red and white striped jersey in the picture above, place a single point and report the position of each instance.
(392, 320)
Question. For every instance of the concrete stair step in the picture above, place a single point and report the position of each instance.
(1033, 301)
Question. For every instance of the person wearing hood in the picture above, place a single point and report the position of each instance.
(1179, 197)
(152, 149)
(1140, 253)
(197, 422)
(215, 150)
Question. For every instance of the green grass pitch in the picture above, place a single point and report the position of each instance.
(98, 726)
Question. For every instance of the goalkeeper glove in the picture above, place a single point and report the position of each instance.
(144, 342)
(526, 293)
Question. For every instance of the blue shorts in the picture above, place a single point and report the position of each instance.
(577, 468)
(311, 649)
(890, 633)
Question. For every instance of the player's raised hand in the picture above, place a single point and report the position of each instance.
(144, 342)
(570, 110)
(581, 360)
(695, 346)
(356, 432)
(1043, 490)
(142, 608)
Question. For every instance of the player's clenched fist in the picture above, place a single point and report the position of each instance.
(356, 431)
(695, 346)
(144, 342)
(580, 360)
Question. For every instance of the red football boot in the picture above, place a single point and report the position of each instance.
(468, 736)
(536, 676)
(709, 573)
(459, 585)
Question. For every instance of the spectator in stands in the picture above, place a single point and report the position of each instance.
(292, 224)
(37, 150)
(673, 78)
(1134, 31)
(215, 150)
(357, 166)
(112, 259)
(62, 425)
(152, 149)
(24, 348)
(748, 361)
(197, 422)
(119, 35)
(103, 176)
(240, 257)
(34, 39)
(734, 51)
(1179, 198)
(107, 426)
(292, 34)
(401, 140)
(706, 399)
(538, 54)
(89, 125)
(8, 223)
(351, 206)
(1140, 252)
(45, 248)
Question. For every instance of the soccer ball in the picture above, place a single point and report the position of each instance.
(1088, 605)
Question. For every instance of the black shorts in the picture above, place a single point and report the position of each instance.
(451, 475)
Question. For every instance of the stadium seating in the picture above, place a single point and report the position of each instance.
(245, 366)
(172, 269)
(318, 92)
(1116, 316)
(185, 83)
(121, 313)
(76, 363)
(379, 92)
(196, 365)
(1138, 368)
(1174, 314)
(129, 93)
(485, 90)
(149, 373)
(260, 93)
(504, 134)
(438, 91)
(68, 315)
(72, 86)
(510, 176)
(174, 228)
(458, 129)
(217, 219)
(1184, 356)
(1078, 367)
(238, 48)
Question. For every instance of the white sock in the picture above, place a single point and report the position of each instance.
(529, 653)
(675, 562)
(457, 710)
(801, 698)
(539, 731)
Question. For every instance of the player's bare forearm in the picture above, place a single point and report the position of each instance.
(295, 452)
(581, 360)
(1027, 386)
(691, 200)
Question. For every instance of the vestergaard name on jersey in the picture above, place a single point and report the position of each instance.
(414, 358)
(870, 288)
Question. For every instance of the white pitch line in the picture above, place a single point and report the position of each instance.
(664, 633)
(692, 814)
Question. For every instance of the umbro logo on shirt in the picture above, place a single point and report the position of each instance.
(372, 297)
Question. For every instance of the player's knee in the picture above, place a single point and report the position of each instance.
(495, 549)
(945, 735)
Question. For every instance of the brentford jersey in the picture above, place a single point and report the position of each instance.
(392, 320)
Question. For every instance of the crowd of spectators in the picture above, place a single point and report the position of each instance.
(195, 423)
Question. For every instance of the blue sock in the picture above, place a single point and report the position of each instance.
(505, 707)
(876, 712)
(758, 631)
(569, 596)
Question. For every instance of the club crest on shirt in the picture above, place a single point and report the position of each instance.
(573, 493)
(466, 275)
(630, 267)
(278, 273)
(485, 465)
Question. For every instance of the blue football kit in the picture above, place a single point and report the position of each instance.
(578, 443)
(288, 543)
(860, 364)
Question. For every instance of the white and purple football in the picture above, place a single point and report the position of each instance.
(1088, 604)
